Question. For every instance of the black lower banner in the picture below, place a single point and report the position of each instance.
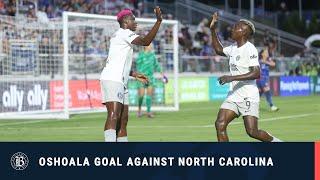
(249, 161)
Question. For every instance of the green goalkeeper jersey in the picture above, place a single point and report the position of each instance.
(147, 64)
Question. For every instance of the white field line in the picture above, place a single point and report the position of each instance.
(29, 122)
(98, 115)
(150, 126)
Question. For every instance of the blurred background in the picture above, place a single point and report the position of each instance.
(31, 66)
(282, 26)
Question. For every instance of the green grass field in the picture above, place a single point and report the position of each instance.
(297, 120)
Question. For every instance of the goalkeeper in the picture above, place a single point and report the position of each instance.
(147, 64)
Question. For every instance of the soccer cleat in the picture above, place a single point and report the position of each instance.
(274, 108)
(150, 115)
(139, 114)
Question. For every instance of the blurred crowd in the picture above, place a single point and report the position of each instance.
(41, 22)
(310, 66)
(54, 8)
(194, 40)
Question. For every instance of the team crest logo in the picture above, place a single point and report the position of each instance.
(19, 161)
(238, 58)
(120, 95)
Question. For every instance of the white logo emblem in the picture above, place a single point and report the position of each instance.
(19, 161)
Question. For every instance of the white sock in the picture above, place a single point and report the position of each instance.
(110, 135)
(122, 139)
(274, 139)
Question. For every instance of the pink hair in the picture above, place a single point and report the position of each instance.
(123, 13)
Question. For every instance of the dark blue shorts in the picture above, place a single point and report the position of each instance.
(261, 83)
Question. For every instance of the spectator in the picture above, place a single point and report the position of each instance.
(227, 34)
(185, 39)
(2, 8)
(42, 15)
(282, 14)
(168, 36)
(102, 48)
(267, 37)
(31, 13)
(203, 26)
(77, 43)
(272, 46)
(93, 48)
(50, 12)
(11, 9)
(309, 70)
(207, 51)
(206, 48)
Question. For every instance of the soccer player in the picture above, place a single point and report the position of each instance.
(263, 83)
(243, 98)
(115, 75)
(147, 64)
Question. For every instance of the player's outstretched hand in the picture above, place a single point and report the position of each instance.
(158, 13)
(214, 20)
(225, 79)
(142, 78)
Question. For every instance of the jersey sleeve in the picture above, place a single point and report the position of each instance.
(129, 36)
(227, 50)
(253, 57)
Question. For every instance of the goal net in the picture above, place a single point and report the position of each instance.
(30, 59)
(52, 69)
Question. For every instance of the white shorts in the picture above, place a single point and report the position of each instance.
(112, 91)
(245, 108)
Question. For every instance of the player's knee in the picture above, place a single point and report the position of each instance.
(220, 124)
(114, 117)
(252, 132)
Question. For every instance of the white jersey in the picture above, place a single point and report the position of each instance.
(119, 61)
(240, 59)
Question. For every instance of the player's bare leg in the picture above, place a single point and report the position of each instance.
(141, 95)
(114, 113)
(251, 125)
(225, 116)
(149, 101)
(122, 125)
(267, 92)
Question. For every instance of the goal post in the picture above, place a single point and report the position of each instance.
(165, 45)
(30, 60)
(49, 70)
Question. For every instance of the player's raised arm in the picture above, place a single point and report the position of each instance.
(216, 44)
(146, 40)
